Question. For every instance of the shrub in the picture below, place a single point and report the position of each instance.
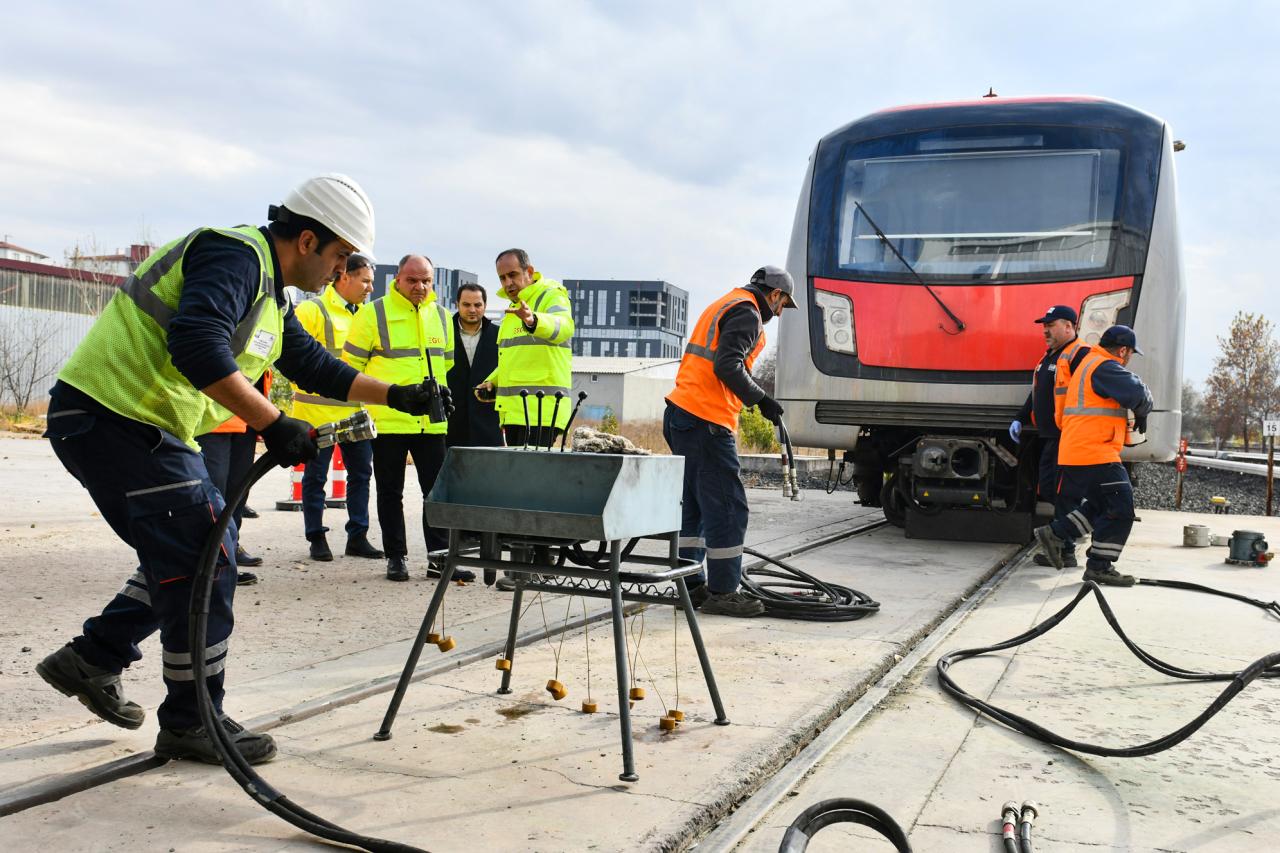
(756, 433)
(609, 423)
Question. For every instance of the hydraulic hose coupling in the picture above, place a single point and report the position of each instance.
(356, 427)
(1009, 818)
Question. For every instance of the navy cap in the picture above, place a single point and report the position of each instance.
(1120, 336)
(1059, 312)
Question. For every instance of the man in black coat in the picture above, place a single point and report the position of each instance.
(475, 356)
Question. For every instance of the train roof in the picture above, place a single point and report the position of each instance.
(1048, 109)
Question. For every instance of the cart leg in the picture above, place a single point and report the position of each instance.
(437, 598)
(510, 652)
(620, 656)
(687, 602)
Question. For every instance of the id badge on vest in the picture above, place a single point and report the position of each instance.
(261, 343)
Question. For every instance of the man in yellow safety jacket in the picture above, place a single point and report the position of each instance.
(1094, 493)
(175, 353)
(406, 333)
(534, 354)
(713, 384)
(328, 318)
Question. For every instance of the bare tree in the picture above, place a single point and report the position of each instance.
(765, 371)
(1197, 422)
(1244, 387)
(25, 365)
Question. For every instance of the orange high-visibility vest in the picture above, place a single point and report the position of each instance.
(698, 391)
(1093, 426)
(234, 424)
(1062, 375)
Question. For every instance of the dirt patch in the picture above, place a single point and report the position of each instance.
(515, 712)
(446, 729)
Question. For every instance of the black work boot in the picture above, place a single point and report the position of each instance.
(320, 548)
(358, 545)
(1068, 560)
(1108, 577)
(257, 748)
(732, 604)
(397, 569)
(244, 558)
(436, 564)
(1050, 546)
(699, 595)
(97, 689)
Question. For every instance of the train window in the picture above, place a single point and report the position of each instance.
(982, 214)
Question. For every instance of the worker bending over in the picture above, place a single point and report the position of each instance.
(701, 422)
(1094, 493)
(176, 352)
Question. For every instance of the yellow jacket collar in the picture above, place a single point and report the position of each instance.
(396, 298)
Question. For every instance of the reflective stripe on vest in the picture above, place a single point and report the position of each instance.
(535, 362)
(1093, 426)
(698, 390)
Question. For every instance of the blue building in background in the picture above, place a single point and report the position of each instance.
(633, 319)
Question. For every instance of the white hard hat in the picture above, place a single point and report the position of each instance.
(337, 202)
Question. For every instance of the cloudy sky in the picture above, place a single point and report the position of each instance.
(612, 139)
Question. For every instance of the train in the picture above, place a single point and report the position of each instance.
(927, 239)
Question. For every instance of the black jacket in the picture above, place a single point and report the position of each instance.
(473, 424)
(1040, 400)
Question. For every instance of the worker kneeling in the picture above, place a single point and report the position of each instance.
(700, 423)
(1094, 493)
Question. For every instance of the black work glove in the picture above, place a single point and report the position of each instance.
(446, 397)
(290, 441)
(770, 409)
(410, 399)
(1140, 423)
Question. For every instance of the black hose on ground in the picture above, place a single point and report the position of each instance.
(254, 785)
(789, 593)
(1267, 666)
(841, 810)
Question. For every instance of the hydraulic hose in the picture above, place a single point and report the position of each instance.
(248, 779)
(790, 593)
(841, 810)
(1267, 666)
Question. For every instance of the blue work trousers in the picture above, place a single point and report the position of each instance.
(1048, 482)
(156, 494)
(713, 521)
(357, 456)
(1097, 500)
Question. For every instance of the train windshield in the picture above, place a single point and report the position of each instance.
(1017, 210)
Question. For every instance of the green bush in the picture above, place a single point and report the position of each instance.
(756, 433)
(609, 423)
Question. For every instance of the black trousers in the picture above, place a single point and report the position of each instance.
(389, 454)
(228, 456)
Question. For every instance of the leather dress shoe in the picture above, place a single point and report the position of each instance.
(397, 570)
(249, 512)
(244, 558)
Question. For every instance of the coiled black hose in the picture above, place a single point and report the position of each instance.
(254, 785)
(790, 593)
(1267, 666)
(841, 810)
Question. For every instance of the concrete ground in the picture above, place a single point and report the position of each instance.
(466, 769)
(943, 772)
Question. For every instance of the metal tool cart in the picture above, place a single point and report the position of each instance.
(538, 508)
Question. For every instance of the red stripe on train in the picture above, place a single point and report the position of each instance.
(899, 325)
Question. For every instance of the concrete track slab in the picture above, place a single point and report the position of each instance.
(944, 772)
(468, 769)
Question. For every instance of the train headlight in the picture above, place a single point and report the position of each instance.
(837, 321)
(1098, 313)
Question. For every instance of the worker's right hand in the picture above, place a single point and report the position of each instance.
(485, 392)
(290, 441)
(1015, 431)
(770, 409)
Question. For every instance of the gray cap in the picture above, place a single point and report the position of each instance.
(776, 278)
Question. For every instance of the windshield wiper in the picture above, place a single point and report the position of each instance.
(960, 327)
